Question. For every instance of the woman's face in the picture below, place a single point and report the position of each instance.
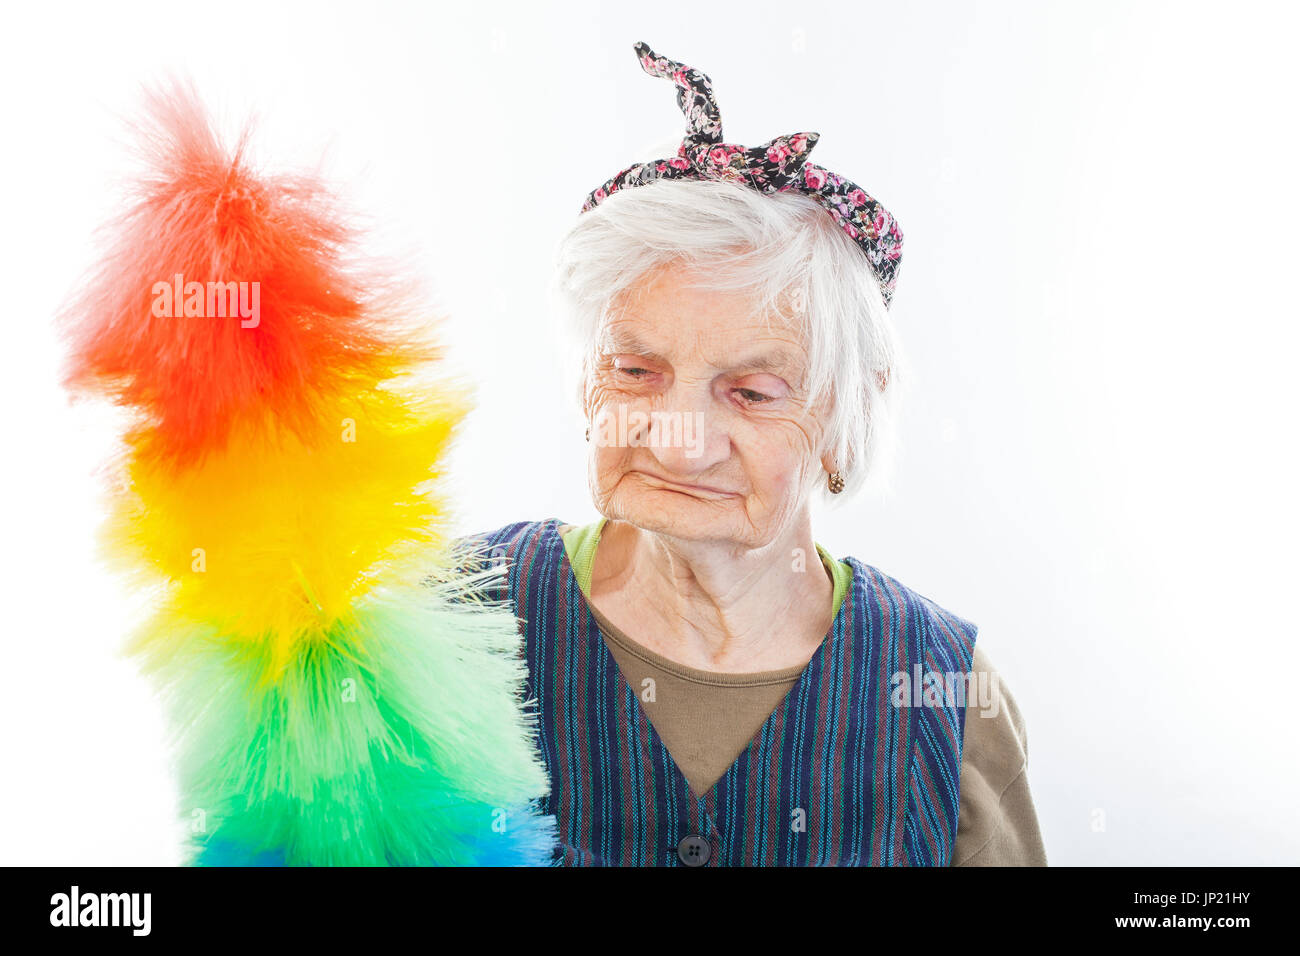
(696, 409)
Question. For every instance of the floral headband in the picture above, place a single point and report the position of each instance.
(777, 166)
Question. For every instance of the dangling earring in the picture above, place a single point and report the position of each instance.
(835, 482)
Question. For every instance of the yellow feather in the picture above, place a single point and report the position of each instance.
(274, 537)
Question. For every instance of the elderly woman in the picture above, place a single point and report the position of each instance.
(713, 688)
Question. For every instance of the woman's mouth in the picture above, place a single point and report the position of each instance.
(686, 488)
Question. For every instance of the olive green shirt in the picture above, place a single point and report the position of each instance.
(706, 719)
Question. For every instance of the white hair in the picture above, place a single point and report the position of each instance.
(786, 251)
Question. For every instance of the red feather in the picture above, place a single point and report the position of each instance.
(205, 214)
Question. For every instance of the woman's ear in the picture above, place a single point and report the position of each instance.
(584, 393)
(834, 460)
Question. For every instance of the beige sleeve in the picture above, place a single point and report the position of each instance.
(997, 825)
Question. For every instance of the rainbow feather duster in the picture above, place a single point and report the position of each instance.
(338, 695)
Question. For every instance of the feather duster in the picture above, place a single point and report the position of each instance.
(337, 694)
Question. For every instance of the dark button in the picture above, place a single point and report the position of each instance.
(693, 851)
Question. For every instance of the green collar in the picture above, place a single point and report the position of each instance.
(580, 545)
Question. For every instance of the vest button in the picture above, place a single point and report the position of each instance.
(693, 851)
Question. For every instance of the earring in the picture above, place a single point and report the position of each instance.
(588, 433)
(835, 482)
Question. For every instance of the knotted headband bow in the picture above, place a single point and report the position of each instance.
(777, 166)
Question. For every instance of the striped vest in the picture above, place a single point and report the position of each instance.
(838, 775)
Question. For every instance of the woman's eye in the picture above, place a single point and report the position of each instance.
(635, 372)
(753, 397)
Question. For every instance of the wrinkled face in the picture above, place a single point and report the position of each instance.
(696, 403)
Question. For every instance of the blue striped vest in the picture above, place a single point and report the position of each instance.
(838, 775)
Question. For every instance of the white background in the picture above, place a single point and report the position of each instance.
(1098, 462)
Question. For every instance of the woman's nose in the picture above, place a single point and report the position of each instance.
(687, 435)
